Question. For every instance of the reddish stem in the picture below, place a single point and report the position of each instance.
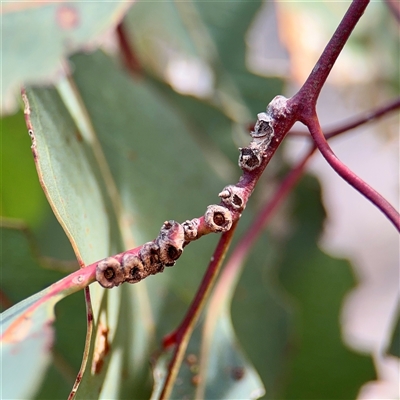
(212, 270)
(182, 335)
(307, 96)
(283, 190)
(349, 176)
(78, 280)
(294, 175)
(366, 117)
(131, 62)
(303, 106)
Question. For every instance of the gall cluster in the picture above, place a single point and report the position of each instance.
(151, 259)
(251, 157)
(163, 252)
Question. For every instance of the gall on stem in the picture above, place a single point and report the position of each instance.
(284, 189)
(152, 257)
(252, 160)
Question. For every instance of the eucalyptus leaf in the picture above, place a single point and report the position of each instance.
(44, 34)
(27, 334)
(320, 365)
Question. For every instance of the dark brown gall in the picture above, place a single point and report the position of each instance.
(150, 256)
(133, 268)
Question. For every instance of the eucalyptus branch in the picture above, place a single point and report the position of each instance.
(260, 221)
(181, 336)
(272, 126)
(369, 116)
(307, 96)
(304, 101)
(152, 257)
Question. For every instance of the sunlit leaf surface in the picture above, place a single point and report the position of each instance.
(26, 350)
(27, 334)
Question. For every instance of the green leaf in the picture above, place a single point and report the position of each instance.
(22, 273)
(317, 284)
(228, 374)
(152, 158)
(75, 177)
(27, 334)
(16, 156)
(26, 350)
(262, 316)
(394, 347)
(157, 166)
(43, 34)
(214, 366)
(67, 354)
(33, 354)
(212, 33)
(213, 129)
(67, 170)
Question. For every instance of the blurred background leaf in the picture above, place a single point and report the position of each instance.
(20, 258)
(63, 27)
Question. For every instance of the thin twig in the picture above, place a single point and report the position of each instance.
(307, 96)
(86, 349)
(349, 176)
(366, 117)
(182, 335)
(260, 221)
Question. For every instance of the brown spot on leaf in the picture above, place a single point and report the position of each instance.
(131, 155)
(67, 17)
(191, 359)
(101, 348)
(90, 317)
(195, 380)
(237, 373)
(78, 136)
